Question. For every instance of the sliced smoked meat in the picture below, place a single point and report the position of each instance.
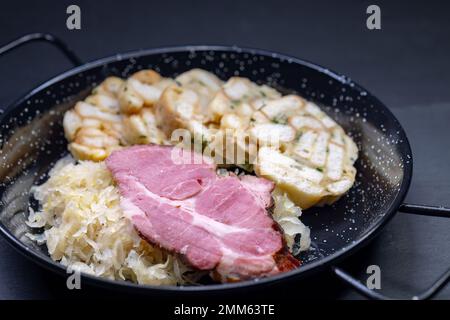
(217, 223)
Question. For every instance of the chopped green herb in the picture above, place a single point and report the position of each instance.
(200, 82)
(262, 106)
(319, 169)
(263, 93)
(235, 103)
(204, 143)
(247, 167)
(280, 119)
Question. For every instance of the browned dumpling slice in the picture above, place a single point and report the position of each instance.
(279, 110)
(273, 134)
(242, 97)
(141, 128)
(300, 182)
(142, 89)
(118, 113)
(179, 108)
(240, 89)
(94, 126)
(92, 132)
(305, 185)
(204, 83)
(321, 149)
(110, 86)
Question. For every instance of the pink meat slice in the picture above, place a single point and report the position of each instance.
(216, 223)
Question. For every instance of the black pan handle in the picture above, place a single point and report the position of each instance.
(46, 37)
(427, 294)
(371, 294)
(425, 210)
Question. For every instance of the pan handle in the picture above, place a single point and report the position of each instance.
(425, 210)
(427, 294)
(32, 37)
(371, 294)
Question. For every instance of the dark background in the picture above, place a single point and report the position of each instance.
(406, 64)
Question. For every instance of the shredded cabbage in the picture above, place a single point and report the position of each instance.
(287, 215)
(86, 229)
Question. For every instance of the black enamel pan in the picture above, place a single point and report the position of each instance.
(32, 140)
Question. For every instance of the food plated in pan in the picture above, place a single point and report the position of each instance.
(122, 206)
(33, 142)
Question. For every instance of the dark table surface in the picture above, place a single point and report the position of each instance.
(406, 64)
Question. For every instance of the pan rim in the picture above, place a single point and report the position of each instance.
(304, 270)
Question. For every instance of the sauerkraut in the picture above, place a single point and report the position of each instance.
(287, 215)
(86, 230)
